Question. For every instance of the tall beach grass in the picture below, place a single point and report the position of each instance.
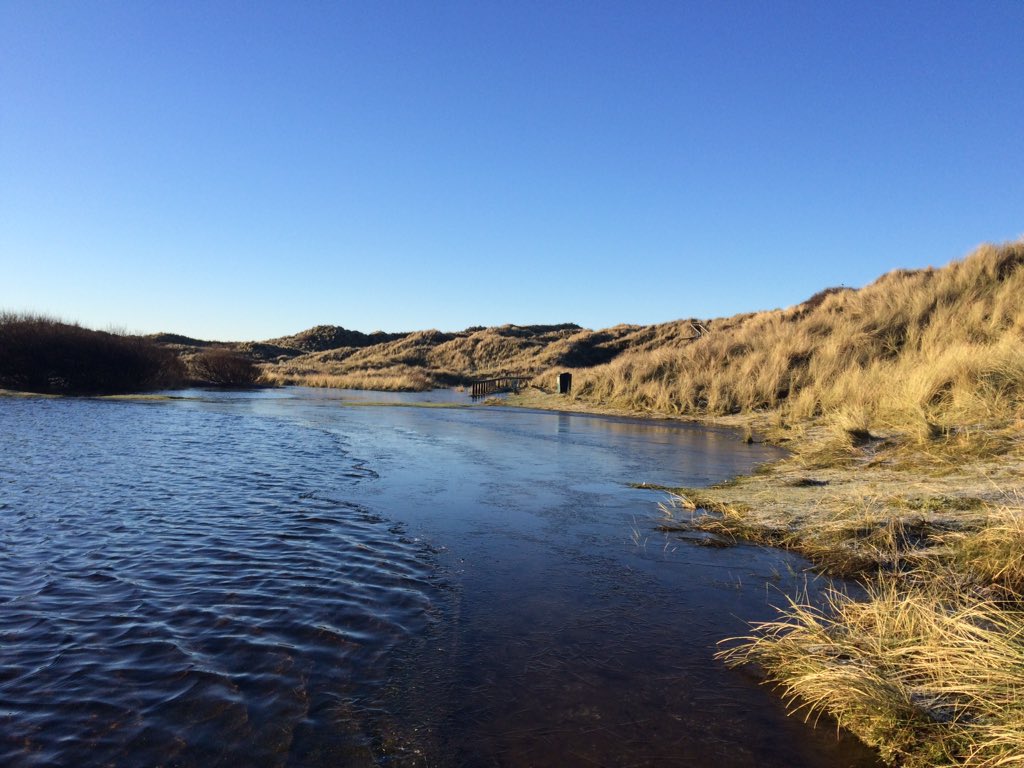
(927, 353)
(927, 667)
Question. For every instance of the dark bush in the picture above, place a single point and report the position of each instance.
(223, 368)
(39, 354)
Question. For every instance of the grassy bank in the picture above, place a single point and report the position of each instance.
(927, 664)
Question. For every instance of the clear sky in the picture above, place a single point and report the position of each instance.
(243, 170)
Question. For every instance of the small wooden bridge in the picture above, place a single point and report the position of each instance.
(486, 387)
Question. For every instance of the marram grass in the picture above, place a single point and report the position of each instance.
(927, 662)
(994, 553)
(927, 353)
(927, 670)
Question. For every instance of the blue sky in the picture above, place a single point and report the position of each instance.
(246, 170)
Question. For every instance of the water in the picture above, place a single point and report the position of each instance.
(312, 578)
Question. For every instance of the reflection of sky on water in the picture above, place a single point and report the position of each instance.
(567, 629)
(574, 626)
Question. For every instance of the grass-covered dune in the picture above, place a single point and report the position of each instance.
(426, 359)
(941, 345)
(927, 352)
(332, 356)
(39, 354)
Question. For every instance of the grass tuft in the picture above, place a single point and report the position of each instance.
(994, 553)
(926, 670)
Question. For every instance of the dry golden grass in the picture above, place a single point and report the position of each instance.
(409, 380)
(925, 353)
(928, 354)
(928, 664)
(427, 359)
(993, 553)
(856, 507)
(448, 359)
(927, 670)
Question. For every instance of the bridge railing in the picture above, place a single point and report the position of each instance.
(486, 387)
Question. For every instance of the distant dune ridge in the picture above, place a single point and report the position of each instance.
(924, 349)
(332, 356)
(425, 359)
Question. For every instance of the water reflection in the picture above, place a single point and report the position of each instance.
(287, 580)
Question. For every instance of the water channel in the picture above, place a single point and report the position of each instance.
(303, 577)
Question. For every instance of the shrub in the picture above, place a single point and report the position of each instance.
(223, 368)
(40, 354)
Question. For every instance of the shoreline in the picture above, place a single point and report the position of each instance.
(829, 485)
(926, 663)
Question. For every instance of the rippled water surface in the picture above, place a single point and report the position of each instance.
(309, 578)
